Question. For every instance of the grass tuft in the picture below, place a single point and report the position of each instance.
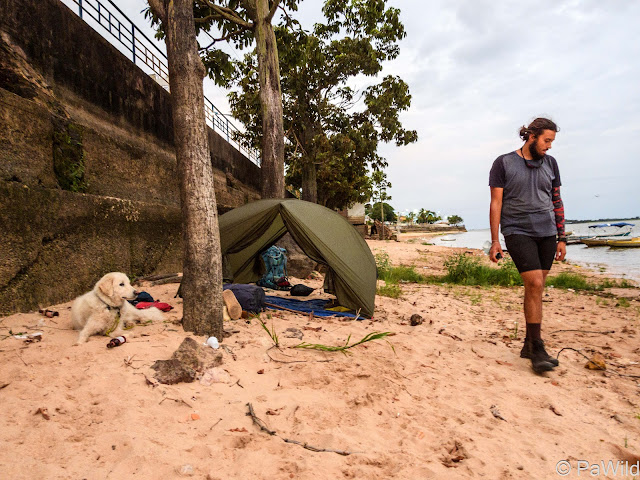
(463, 269)
(272, 333)
(394, 275)
(402, 274)
(344, 348)
(570, 280)
(623, 302)
(580, 282)
(391, 290)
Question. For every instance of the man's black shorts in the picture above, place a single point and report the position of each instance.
(531, 253)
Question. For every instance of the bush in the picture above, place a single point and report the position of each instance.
(383, 263)
(466, 270)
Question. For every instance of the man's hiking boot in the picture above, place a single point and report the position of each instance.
(526, 352)
(535, 351)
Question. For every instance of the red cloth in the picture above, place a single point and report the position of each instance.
(165, 307)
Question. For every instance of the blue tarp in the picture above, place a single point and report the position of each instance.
(307, 306)
(619, 224)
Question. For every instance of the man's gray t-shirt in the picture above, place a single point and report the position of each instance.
(527, 208)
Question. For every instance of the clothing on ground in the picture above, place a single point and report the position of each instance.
(250, 297)
(165, 307)
(317, 306)
(142, 297)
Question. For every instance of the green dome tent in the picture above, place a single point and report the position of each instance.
(324, 235)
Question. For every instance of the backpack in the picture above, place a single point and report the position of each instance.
(275, 263)
(250, 297)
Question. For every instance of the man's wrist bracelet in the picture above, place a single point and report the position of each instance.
(495, 241)
(562, 239)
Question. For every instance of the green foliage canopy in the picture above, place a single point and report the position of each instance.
(373, 211)
(333, 130)
(454, 219)
(428, 216)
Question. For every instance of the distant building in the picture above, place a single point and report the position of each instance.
(356, 217)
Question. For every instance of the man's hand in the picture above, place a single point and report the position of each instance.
(495, 249)
(561, 251)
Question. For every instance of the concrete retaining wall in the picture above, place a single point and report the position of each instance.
(87, 164)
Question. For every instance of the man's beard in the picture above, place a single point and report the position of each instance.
(535, 152)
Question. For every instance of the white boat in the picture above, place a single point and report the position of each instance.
(603, 231)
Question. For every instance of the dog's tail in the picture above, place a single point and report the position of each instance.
(151, 313)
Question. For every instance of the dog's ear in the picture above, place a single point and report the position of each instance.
(105, 285)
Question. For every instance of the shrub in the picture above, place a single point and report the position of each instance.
(466, 270)
(383, 263)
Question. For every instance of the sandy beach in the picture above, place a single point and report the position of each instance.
(449, 398)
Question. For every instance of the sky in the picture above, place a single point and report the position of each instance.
(479, 70)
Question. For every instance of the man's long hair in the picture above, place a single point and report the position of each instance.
(536, 128)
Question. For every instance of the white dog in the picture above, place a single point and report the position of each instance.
(105, 309)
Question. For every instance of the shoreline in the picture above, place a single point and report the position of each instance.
(612, 269)
(441, 403)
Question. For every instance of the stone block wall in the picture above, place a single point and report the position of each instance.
(87, 164)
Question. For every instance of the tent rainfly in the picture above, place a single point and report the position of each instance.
(324, 235)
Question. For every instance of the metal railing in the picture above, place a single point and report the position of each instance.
(124, 35)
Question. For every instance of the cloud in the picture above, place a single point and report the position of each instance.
(478, 70)
(477, 73)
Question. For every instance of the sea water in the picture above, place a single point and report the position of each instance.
(620, 262)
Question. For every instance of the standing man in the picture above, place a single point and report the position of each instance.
(526, 204)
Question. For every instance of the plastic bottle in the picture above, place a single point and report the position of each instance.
(117, 341)
(213, 342)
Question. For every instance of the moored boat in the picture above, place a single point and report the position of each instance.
(601, 231)
(632, 242)
(596, 242)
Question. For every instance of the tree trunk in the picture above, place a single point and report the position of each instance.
(270, 103)
(309, 167)
(202, 280)
(309, 182)
(382, 216)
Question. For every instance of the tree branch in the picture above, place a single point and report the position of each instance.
(289, 19)
(272, 12)
(298, 144)
(209, 17)
(229, 15)
(226, 37)
(157, 7)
